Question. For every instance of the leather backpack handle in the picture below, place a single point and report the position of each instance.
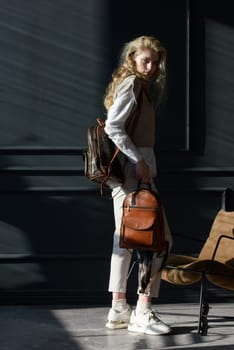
(141, 186)
(144, 186)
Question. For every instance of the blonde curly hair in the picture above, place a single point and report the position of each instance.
(126, 67)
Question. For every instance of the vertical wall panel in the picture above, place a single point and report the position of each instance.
(52, 60)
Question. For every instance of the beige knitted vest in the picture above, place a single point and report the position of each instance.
(140, 125)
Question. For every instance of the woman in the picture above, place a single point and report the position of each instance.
(131, 99)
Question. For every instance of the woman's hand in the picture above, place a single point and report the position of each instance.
(142, 171)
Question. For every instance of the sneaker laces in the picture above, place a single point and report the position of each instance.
(153, 316)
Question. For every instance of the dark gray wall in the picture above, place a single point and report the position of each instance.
(56, 59)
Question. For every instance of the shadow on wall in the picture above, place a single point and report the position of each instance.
(64, 224)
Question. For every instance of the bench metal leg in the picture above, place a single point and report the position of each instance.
(204, 308)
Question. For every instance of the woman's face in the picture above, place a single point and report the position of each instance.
(146, 61)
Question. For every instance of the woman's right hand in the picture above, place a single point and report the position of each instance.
(142, 171)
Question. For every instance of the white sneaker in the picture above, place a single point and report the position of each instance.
(117, 319)
(147, 323)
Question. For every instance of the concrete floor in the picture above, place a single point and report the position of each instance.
(73, 328)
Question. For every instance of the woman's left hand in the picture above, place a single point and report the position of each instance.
(142, 171)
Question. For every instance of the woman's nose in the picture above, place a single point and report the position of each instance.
(149, 66)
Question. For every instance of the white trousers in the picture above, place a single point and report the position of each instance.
(121, 258)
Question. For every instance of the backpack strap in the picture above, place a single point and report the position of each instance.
(145, 260)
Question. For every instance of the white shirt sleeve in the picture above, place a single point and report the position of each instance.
(116, 118)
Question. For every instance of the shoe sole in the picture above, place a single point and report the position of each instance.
(116, 325)
(136, 329)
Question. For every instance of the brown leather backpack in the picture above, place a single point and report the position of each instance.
(101, 163)
(142, 225)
